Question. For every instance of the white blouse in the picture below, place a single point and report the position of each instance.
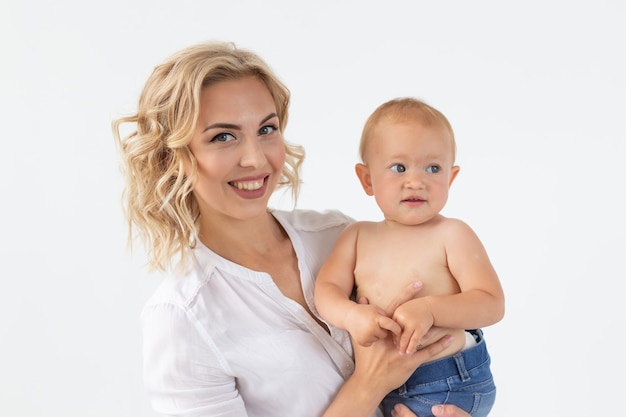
(222, 340)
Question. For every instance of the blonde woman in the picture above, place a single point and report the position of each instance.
(232, 330)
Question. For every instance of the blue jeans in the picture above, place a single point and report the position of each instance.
(463, 379)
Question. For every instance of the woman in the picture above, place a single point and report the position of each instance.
(232, 330)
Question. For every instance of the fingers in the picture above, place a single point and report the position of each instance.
(389, 324)
(401, 410)
(425, 354)
(414, 344)
(408, 294)
(408, 342)
(384, 322)
(446, 411)
(434, 333)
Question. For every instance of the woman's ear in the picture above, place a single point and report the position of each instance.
(363, 172)
(188, 161)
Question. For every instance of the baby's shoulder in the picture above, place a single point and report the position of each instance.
(452, 222)
(453, 227)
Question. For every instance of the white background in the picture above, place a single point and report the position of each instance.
(535, 91)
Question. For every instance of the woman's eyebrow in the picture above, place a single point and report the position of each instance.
(221, 126)
(236, 127)
(269, 116)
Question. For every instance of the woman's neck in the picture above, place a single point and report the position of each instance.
(243, 241)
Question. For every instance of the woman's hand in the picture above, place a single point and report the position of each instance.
(368, 323)
(401, 410)
(380, 368)
(385, 368)
(409, 293)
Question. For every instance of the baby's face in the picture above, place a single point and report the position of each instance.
(410, 169)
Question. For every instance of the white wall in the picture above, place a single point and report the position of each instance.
(535, 91)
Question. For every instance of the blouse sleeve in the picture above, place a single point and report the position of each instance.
(183, 375)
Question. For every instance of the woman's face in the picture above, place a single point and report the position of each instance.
(239, 149)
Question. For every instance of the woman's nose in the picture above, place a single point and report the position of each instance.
(252, 154)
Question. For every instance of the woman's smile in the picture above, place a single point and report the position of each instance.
(239, 149)
(250, 188)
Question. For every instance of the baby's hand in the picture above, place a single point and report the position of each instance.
(415, 319)
(367, 323)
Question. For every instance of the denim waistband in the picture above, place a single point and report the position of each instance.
(458, 364)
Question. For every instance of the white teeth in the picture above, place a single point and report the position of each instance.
(249, 185)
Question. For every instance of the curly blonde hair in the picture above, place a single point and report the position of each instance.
(158, 201)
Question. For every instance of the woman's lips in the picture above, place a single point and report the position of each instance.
(250, 189)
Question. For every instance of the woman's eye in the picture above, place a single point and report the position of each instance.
(266, 130)
(433, 169)
(223, 137)
(398, 168)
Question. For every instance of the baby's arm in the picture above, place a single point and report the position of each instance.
(480, 302)
(335, 282)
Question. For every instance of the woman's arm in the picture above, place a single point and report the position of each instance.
(380, 368)
(182, 376)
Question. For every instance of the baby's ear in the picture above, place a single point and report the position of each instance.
(453, 173)
(363, 172)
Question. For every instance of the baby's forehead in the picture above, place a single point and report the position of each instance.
(414, 118)
(416, 127)
(394, 135)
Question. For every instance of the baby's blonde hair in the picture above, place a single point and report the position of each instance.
(158, 199)
(401, 110)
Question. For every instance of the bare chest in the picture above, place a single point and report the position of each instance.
(387, 263)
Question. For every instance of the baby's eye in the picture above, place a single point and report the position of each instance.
(223, 137)
(266, 130)
(433, 169)
(398, 168)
